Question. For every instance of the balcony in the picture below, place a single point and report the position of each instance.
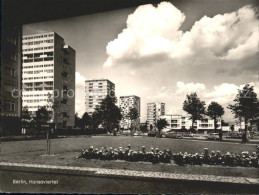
(28, 61)
(48, 88)
(38, 60)
(48, 59)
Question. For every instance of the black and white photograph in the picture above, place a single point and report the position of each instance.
(129, 96)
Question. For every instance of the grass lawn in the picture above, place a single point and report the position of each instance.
(66, 149)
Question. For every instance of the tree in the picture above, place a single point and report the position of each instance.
(223, 123)
(143, 127)
(215, 111)
(77, 120)
(55, 110)
(42, 117)
(133, 115)
(232, 127)
(160, 124)
(246, 105)
(109, 113)
(96, 118)
(85, 121)
(194, 106)
(26, 117)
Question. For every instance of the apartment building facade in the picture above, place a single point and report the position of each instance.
(48, 77)
(95, 91)
(177, 122)
(10, 77)
(126, 103)
(154, 111)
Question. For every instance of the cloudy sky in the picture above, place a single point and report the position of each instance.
(163, 52)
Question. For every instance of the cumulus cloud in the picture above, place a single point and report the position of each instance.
(224, 94)
(155, 31)
(80, 94)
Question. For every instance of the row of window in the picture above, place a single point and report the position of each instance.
(38, 89)
(93, 83)
(37, 106)
(39, 66)
(38, 42)
(37, 37)
(38, 60)
(100, 96)
(38, 71)
(210, 125)
(38, 48)
(31, 78)
(35, 101)
(35, 95)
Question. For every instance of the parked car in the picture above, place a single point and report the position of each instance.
(151, 134)
(137, 134)
(173, 135)
(213, 136)
(235, 135)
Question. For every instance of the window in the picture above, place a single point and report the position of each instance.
(49, 41)
(37, 42)
(28, 61)
(48, 65)
(12, 40)
(11, 72)
(8, 87)
(14, 56)
(9, 106)
(37, 66)
(49, 71)
(64, 74)
(38, 71)
(64, 101)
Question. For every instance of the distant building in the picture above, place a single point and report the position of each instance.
(177, 122)
(239, 126)
(49, 72)
(154, 111)
(254, 125)
(95, 91)
(225, 128)
(126, 103)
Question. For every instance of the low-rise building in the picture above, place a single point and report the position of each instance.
(178, 122)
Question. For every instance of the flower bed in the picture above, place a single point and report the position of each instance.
(243, 159)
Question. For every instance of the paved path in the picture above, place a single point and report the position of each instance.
(125, 173)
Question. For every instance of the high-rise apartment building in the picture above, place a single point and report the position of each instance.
(154, 111)
(95, 91)
(10, 77)
(126, 103)
(48, 72)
